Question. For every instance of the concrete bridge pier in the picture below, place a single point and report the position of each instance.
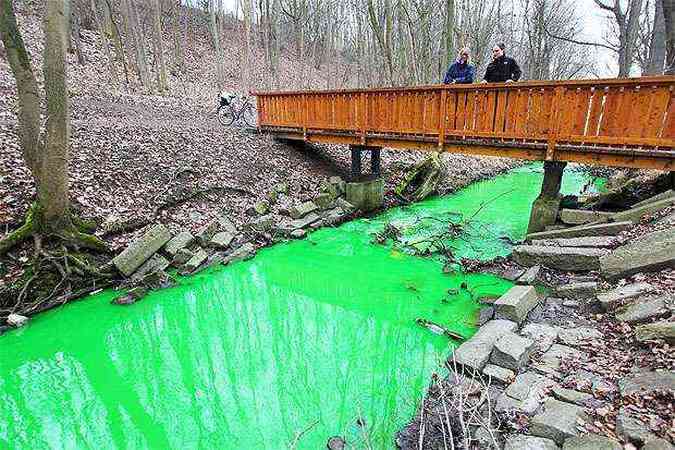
(365, 191)
(546, 206)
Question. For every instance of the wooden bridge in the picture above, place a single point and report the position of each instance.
(613, 122)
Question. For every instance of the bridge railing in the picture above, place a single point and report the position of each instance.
(629, 112)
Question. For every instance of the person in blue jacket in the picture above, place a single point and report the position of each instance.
(461, 71)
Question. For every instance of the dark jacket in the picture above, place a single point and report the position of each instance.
(460, 73)
(502, 69)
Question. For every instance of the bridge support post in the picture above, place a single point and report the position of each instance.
(366, 192)
(546, 206)
(375, 161)
(356, 161)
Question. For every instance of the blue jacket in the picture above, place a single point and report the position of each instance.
(461, 73)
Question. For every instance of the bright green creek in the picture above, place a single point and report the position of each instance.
(309, 335)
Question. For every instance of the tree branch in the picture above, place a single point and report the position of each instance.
(574, 41)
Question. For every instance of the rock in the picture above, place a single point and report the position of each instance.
(512, 351)
(500, 374)
(197, 259)
(366, 195)
(530, 276)
(301, 210)
(156, 280)
(657, 331)
(651, 252)
(156, 263)
(571, 396)
(635, 214)
(262, 224)
(603, 229)
(225, 224)
(516, 303)
(574, 337)
(524, 394)
(182, 256)
(324, 201)
(16, 320)
(657, 444)
(590, 241)
(580, 216)
(298, 234)
(336, 443)
(591, 442)
(141, 249)
(246, 251)
(333, 216)
(543, 335)
(579, 259)
(339, 184)
(550, 361)
(347, 207)
(281, 188)
(181, 240)
(221, 240)
(475, 352)
(288, 227)
(523, 442)
(582, 379)
(131, 297)
(261, 208)
(485, 314)
(582, 290)
(512, 273)
(647, 382)
(612, 299)
(486, 439)
(206, 232)
(642, 309)
(631, 428)
(570, 303)
(557, 421)
(272, 197)
(658, 197)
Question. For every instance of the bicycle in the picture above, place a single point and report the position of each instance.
(233, 108)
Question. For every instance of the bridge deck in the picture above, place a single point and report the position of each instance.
(614, 122)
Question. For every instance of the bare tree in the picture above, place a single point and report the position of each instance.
(158, 44)
(669, 22)
(112, 70)
(626, 21)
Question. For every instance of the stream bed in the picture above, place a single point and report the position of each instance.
(310, 339)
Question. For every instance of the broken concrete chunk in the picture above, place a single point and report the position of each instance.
(558, 421)
(16, 320)
(262, 224)
(580, 259)
(141, 249)
(512, 273)
(298, 234)
(574, 337)
(516, 303)
(182, 256)
(591, 442)
(611, 299)
(550, 361)
(347, 207)
(657, 331)
(512, 351)
(647, 382)
(500, 374)
(603, 229)
(301, 210)
(577, 291)
(156, 263)
(654, 251)
(524, 394)
(523, 442)
(221, 239)
(635, 214)
(658, 197)
(206, 232)
(281, 188)
(324, 201)
(244, 252)
(642, 309)
(632, 429)
(225, 224)
(591, 241)
(288, 227)
(571, 396)
(580, 216)
(543, 335)
(657, 444)
(197, 260)
(181, 240)
(475, 352)
(530, 276)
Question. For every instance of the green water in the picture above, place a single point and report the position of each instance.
(308, 336)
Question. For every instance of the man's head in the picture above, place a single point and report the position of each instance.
(464, 55)
(498, 50)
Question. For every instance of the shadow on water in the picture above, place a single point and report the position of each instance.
(308, 336)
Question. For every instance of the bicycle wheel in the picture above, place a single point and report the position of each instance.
(225, 116)
(250, 116)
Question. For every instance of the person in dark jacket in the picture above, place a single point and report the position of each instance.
(461, 71)
(502, 68)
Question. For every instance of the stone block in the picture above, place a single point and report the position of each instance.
(221, 240)
(590, 241)
(339, 184)
(524, 442)
(657, 331)
(512, 351)
(262, 224)
(281, 188)
(525, 394)
(577, 291)
(16, 320)
(577, 259)
(530, 276)
(657, 444)
(612, 299)
(485, 314)
(205, 233)
(551, 361)
(288, 227)
(182, 256)
(571, 396)
(242, 253)
(301, 210)
(181, 240)
(602, 229)
(654, 251)
(658, 197)
(544, 213)
(475, 353)
(366, 195)
(156, 263)
(516, 303)
(298, 234)
(591, 442)
(647, 382)
(500, 374)
(141, 249)
(635, 214)
(543, 335)
(642, 309)
(324, 200)
(632, 429)
(347, 207)
(574, 337)
(225, 224)
(580, 216)
(557, 421)
(197, 260)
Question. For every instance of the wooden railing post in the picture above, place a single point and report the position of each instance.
(555, 129)
(364, 117)
(444, 118)
(305, 116)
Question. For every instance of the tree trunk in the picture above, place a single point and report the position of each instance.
(177, 47)
(657, 47)
(215, 36)
(76, 37)
(115, 37)
(669, 21)
(115, 81)
(162, 83)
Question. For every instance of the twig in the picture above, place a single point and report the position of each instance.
(300, 434)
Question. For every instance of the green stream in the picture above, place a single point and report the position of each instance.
(315, 335)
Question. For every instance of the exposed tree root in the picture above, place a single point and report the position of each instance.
(422, 180)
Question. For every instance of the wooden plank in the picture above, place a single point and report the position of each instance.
(450, 110)
(470, 110)
(669, 124)
(593, 123)
(534, 113)
(611, 113)
(460, 113)
(547, 121)
(500, 111)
